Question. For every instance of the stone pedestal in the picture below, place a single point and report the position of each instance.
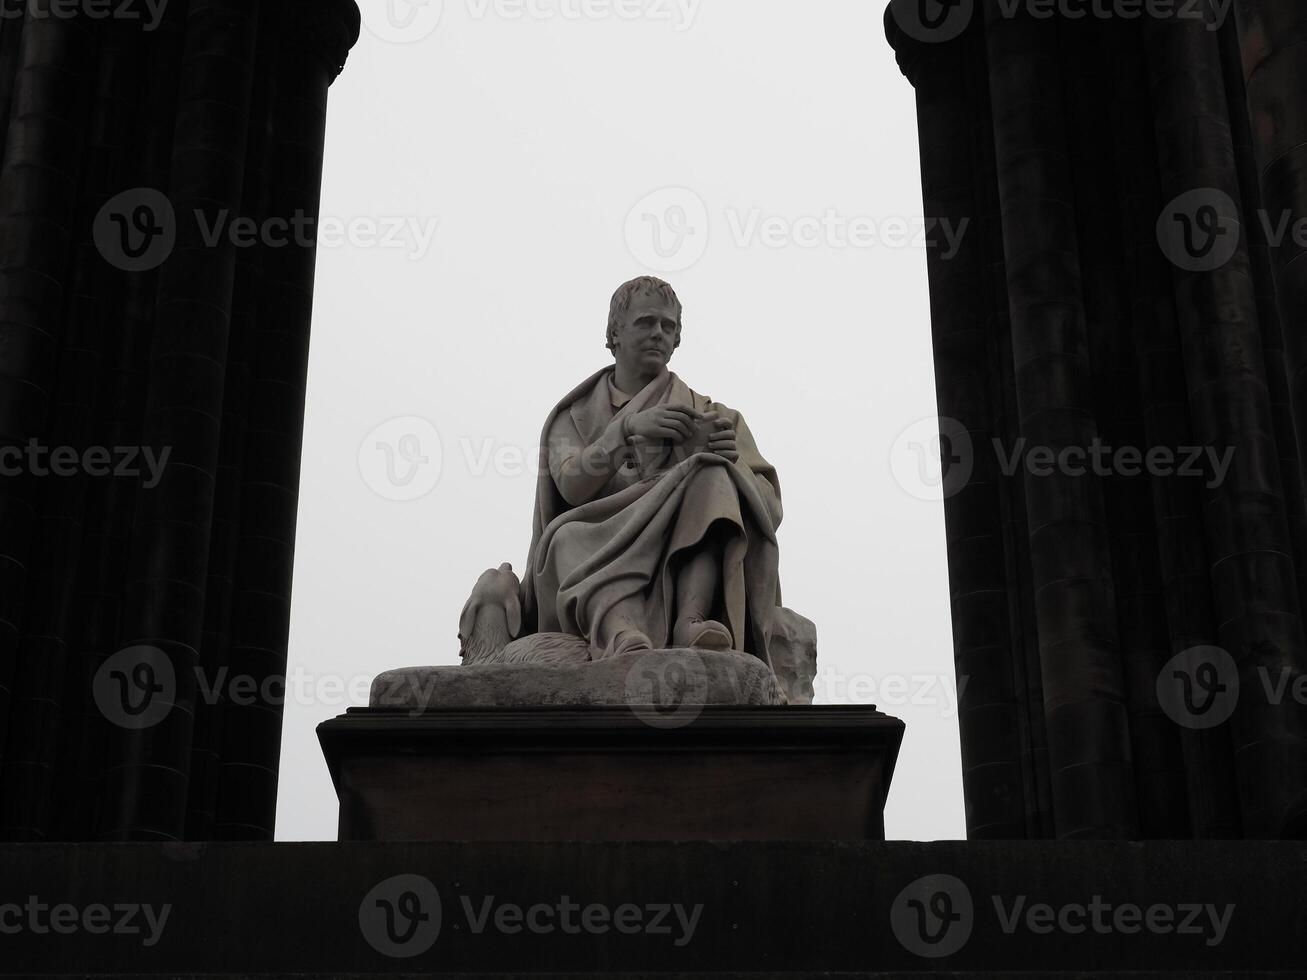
(699, 772)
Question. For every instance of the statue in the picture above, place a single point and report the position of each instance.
(655, 523)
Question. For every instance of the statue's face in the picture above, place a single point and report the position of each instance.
(646, 338)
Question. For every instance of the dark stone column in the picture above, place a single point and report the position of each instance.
(1094, 52)
(1100, 123)
(269, 492)
(951, 94)
(145, 91)
(38, 195)
(1075, 599)
(147, 790)
(1272, 42)
(1273, 46)
(1184, 609)
(1261, 259)
(220, 108)
(1247, 531)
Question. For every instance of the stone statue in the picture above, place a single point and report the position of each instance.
(655, 523)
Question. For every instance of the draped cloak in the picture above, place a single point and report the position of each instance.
(628, 542)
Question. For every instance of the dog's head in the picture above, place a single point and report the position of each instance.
(493, 611)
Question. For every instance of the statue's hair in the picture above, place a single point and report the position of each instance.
(641, 286)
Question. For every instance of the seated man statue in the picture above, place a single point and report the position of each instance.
(655, 517)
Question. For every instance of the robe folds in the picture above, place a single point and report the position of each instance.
(626, 545)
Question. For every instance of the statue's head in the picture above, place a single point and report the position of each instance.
(644, 323)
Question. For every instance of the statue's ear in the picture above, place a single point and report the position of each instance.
(514, 609)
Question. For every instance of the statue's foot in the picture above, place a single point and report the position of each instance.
(701, 634)
(628, 641)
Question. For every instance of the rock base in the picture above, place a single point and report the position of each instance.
(667, 679)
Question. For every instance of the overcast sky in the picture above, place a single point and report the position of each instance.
(493, 171)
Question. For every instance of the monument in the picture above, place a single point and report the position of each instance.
(644, 650)
(1134, 647)
(654, 529)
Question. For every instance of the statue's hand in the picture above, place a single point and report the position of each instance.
(712, 434)
(663, 423)
(721, 437)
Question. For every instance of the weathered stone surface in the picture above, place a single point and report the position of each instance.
(792, 644)
(492, 616)
(660, 677)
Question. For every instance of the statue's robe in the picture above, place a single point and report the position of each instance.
(629, 541)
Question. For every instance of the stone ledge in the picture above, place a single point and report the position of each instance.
(768, 909)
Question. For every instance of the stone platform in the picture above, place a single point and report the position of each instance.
(763, 911)
(641, 772)
(669, 678)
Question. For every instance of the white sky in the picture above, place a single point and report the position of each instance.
(530, 137)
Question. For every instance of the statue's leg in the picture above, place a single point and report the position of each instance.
(696, 595)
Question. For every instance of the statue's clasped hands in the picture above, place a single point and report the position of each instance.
(682, 426)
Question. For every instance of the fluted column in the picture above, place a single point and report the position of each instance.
(164, 603)
(1273, 48)
(38, 195)
(950, 92)
(145, 93)
(278, 365)
(216, 111)
(1246, 525)
(1113, 334)
(1084, 697)
(1091, 52)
